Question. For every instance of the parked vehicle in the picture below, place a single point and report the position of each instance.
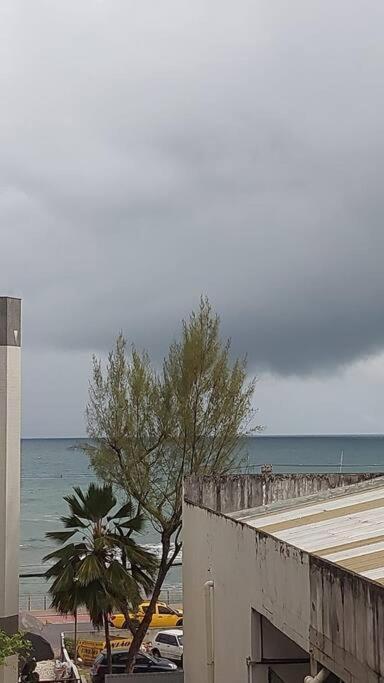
(169, 644)
(163, 617)
(144, 663)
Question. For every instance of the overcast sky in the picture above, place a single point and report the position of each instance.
(153, 151)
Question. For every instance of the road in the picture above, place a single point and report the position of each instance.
(52, 631)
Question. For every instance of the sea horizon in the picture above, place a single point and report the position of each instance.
(51, 466)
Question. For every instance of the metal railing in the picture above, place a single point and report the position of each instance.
(37, 602)
(310, 467)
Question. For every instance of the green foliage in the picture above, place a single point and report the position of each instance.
(149, 429)
(100, 565)
(70, 646)
(16, 644)
(87, 570)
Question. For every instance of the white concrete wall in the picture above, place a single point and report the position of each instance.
(9, 496)
(347, 623)
(249, 570)
(9, 671)
(234, 492)
(9, 479)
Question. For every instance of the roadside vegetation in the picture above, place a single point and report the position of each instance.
(16, 644)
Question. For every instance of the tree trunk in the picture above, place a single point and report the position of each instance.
(108, 642)
(129, 622)
(75, 657)
(144, 624)
(132, 625)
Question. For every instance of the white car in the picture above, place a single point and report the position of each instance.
(169, 644)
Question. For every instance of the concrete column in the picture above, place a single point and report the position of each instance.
(10, 351)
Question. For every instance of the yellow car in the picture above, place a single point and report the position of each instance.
(163, 616)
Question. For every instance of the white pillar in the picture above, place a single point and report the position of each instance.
(10, 350)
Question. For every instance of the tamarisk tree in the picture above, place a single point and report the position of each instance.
(149, 428)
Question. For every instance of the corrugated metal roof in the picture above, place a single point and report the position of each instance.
(347, 529)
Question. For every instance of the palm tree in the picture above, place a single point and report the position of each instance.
(102, 567)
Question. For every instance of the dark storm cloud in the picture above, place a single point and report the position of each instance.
(152, 152)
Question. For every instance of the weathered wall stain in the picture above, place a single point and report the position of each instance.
(336, 614)
(231, 493)
(347, 622)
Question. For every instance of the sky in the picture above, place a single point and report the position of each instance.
(154, 151)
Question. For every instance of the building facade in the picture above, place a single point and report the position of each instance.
(286, 590)
(10, 343)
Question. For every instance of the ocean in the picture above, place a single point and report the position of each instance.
(51, 467)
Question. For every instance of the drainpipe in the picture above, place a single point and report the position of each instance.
(319, 678)
(250, 664)
(208, 594)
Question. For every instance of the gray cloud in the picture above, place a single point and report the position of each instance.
(154, 152)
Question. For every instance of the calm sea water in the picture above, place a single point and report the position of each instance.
(50, 467)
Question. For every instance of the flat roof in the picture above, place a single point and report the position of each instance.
(344, 526)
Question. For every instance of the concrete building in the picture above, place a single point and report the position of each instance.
(10, 341)
(285, 590)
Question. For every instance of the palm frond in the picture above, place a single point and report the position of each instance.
(64, 581)
(116, 574)
(73, 522)
(122, 583)
(60, 536)
(80, 494)
(67, 602)
(63, 553)
(125, 511)
(76, 507)
(99, 501)
(134, 524)
(136, 554)
(143, 579)
(96, 601)
(90, 569)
